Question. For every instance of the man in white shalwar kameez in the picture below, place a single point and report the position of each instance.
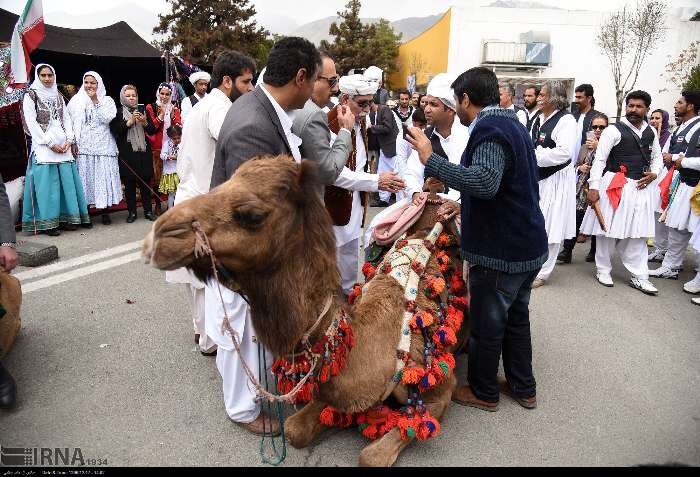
(447, 134)
(554, 136)
(622, 183)
(357, 92)
(233, 73)
(680, 220)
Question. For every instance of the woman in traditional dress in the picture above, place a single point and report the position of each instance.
(91, 111)
(130, 127)
(161, 115)
(53, 194)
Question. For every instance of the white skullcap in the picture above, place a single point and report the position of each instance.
(357, 85)
(441, 87)
(373, 73)
(200, 75)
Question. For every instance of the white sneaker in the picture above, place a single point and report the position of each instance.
(656, 255)
(645, 286)
(605, 279)
(695, 301)
(693, 286)
(664, 272)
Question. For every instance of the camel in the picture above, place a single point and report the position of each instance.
(268, 227)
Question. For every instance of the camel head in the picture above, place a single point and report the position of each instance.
(267, 217)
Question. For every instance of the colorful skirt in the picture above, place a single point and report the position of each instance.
(168, 183)
(53, 195)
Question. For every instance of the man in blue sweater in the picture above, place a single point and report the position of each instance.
(503, 237)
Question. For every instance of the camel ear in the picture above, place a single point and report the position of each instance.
(308, 179)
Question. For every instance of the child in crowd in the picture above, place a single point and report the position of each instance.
(169, 180)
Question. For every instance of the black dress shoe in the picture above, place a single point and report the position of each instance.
(564, 256)
(106, 219)
(51, 232)
(8, 389)
(378, 203)
(86, 225)
(131, 217)
(70, 227)
(149, 216)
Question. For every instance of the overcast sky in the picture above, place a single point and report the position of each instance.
(303, 11)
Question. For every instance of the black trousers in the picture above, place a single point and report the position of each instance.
(569, 244)
(141, 164)
(499, 322)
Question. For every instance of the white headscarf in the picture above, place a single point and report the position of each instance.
(373, 73)
(200, 75)
(441, 87)
(42, 91)
(165, 143)
(357, 85)
(80, 106)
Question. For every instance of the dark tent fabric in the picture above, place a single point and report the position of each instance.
(116, 52)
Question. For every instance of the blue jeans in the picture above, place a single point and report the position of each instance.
(499, 321)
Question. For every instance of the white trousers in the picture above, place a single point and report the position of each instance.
(660, 234)
(348, 264)
(633, 252)
(196, 296)
(677, 245)
(548, 267)
(386, 164)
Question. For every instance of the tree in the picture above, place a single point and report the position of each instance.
(203, 28)
(679, 70)
(627, 37)
(693, 82)
(357, 45)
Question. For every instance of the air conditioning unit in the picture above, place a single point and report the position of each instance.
(517, 54)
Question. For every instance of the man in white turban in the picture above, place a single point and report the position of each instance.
(356, 94)
(446, 133)
(200, 81)
(376, 74)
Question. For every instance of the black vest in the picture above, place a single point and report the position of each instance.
(542, 136)
(679, 139)
(632, 152)
(531, 120)
(372, 140)
(193, 99)
(691, 177)
(437, 145)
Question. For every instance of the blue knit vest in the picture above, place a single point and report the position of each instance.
(506, 232)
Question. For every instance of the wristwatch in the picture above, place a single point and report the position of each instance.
(9, 244)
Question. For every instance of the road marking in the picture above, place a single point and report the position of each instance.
(80, 272)
(73, 262)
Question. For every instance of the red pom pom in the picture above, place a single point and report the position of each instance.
(326, 417)
(460, 302)
(368, 270)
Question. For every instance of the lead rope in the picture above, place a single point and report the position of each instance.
(202, 247)
(277, 456)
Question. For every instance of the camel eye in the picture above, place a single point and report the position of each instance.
(249, 219)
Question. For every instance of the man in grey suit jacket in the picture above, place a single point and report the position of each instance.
(8, 261)
(259, 122)
(311, 125)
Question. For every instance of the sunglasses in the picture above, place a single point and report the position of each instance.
(364, 104)
(332, 81)
(597, 128)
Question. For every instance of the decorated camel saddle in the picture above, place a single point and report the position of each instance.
(380, 359)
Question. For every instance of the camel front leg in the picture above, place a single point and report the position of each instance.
(303, 426)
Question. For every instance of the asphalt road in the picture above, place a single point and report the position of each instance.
(105, 362)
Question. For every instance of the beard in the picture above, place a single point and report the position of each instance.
(529, 105)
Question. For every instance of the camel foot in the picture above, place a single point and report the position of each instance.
(383, 452)
(302, 427)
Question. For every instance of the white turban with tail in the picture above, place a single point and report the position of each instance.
(200, 75)
(441, 87)
(357, 85)
(373, 73)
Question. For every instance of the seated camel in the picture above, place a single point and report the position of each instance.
(269, 231)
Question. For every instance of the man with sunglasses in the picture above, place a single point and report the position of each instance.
(311, 125)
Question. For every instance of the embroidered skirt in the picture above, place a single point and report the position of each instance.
(99, 176)
(634, 217)
(53, 195)
(558, 205)
(168, 183)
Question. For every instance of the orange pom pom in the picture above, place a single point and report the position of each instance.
(443, 240)
(444, 337)
(368, 270)
(460, 302)
(326, 417)
(412, 375)
(457, 286)
(422, 319)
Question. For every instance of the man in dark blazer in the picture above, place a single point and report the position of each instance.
(8, 261)
(259, 122)
(386, 130)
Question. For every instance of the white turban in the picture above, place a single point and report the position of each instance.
(200, 75)
(441, 87)
(357, 85)
(373, 73)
